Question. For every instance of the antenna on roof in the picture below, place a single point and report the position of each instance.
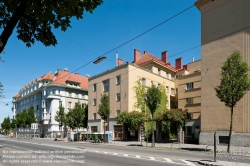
(116, 58)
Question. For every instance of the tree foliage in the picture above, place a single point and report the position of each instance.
(104, 109)
(85, 120)
(153, 99)
(34, 20)
(140, 92)
(31, 118)
(60, 116)
(234, 84)
(6, 124)
(131, 119)
(75, 116)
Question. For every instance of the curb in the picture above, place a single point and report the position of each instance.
(209, 163)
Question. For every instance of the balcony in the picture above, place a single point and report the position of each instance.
(53, 96)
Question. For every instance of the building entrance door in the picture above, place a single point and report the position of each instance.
(118, 132)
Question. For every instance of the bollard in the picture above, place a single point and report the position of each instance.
(214, 146)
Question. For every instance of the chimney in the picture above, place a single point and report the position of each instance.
(164, 56)
(119, 62)
(178, 63)
(59, 71)
(185, 67)
(137, 54)
(145, 53)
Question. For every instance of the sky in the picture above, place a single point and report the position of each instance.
(111, 24)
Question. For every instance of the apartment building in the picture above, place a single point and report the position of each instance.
(189, 97)
(225, 28)
(46, 93)
(118, 84)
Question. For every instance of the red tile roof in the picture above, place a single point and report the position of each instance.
(147, 57)
(16, 96)
(64, 76)
(61, 79)
(48, 76)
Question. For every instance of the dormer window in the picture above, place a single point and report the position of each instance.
(75, 84)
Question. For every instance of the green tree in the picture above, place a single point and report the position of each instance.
(104, 109)
(234, 84)
(85, 120)
(70, 120)
(23, 118)
(34, 19)
(131, 119)
(78, 115)
(6, 125)
(31, 118)
(153, 98)
(140, 92)
(60, 117)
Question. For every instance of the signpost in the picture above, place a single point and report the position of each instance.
(34, 126)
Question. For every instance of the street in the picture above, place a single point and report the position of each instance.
(39, 153)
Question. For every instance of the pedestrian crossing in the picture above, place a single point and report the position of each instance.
(157, 159)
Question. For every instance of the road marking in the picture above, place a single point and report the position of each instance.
(96, 151)
(126, 155)
(137, 156)
(187, 162)
(152, 158)
(114, 153)
(105, 152)
(168, 160)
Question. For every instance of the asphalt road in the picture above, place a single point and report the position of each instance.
(46, 152)
(42, 152)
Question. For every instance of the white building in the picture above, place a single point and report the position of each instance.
(47, 92)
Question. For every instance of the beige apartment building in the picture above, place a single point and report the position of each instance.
(225, 28)
(118, 84)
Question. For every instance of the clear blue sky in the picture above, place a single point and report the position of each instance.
(111, 24)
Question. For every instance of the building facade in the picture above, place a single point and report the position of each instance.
(118, 84)
(46, 93)
(225, 28)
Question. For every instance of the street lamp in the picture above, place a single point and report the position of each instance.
(99, 59)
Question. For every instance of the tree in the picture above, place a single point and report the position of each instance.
(1, 91)
(70, 120)
(153, 97)
(78, 116)
(85, 120)
(234, 84)
(6, 125)
(104, 109)
(34, 19)
(60, 117)
(31, 118)
(132, 119)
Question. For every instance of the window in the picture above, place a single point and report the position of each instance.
(118, 97)
(167, 104)
(118, 80)
(106, 86)
(118, 112)
(189, 101)
(189, 86)
(53, 91)
(159, 86)
(69, 105)
(167, 75)
(176, 90)
(70, 94)
(60, 103)
(167, 89)
(94, 87)
(143, 81)
(159, 72)
(76, 95)
(152, 83)
(94, 115)
(172, 77)
(172, 91)
(37, 107)
(94, 102)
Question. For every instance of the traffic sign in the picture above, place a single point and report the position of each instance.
(34, 126)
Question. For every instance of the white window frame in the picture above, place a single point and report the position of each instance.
(167, 89)
(94, 87)
(106, 85)
(94, 102)
(172, 91)
(189, 101)
(143, 82)
(118, 80)
(118, 97)
(189, 85)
